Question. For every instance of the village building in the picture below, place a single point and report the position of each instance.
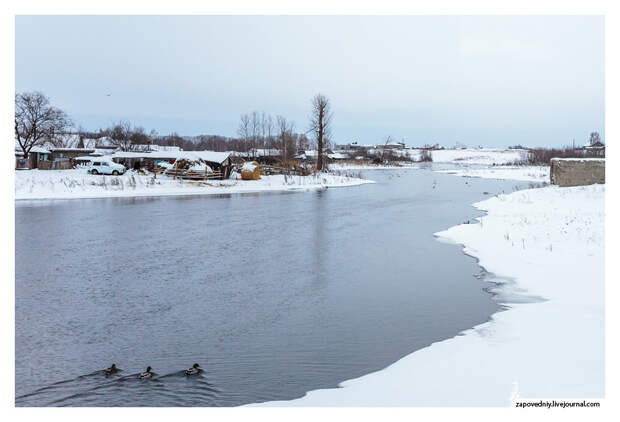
(36, 155)
(595, 149)
(391, 145)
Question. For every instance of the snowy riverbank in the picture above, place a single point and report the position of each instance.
(77, 183)
(354, 166)
(522, 173)
(545, 249)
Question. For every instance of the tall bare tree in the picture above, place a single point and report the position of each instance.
(269, 128)
(320, 124)
(286, 137)
(244, 129)
(255, 129)
(37, 121)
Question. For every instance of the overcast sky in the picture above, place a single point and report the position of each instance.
(492, 81)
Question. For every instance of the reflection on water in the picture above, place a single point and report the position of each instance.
(273, 294)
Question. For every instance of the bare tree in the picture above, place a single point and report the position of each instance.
(302, 142)
(263, 126)
(244, 129)
(286, 137)
(320, 124)
(37, 121)
(269, 127)
(120, 135)
(139, 138)
(594, 138)
(255, 129)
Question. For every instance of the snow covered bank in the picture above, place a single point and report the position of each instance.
(72, 184)
(545, 248)
(353, 166)
(523, 173)
(479, 156)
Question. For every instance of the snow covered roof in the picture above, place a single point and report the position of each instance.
(73, 149)
(40, 150)
(36, 149)
(211, 156)
(155, 147)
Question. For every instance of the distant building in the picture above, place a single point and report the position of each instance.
(391, 145)
(353, 146)
(595, 149)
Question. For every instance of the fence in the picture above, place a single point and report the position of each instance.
(194, 175)
(55, 165)
(269, 170)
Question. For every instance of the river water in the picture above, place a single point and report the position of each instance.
(273, 294)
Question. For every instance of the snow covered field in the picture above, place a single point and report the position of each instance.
(523, 173)
(545, 249)
(478, 156)
(77, 183)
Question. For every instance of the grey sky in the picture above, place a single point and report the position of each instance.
(494, 80)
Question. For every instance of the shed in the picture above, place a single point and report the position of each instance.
(219, 162)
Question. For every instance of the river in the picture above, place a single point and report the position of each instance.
(273, 294)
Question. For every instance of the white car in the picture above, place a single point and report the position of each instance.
(106, 167)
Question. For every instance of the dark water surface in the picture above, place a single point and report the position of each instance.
(274, 294)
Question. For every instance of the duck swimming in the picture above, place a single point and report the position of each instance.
(194, 370)
(147, 374)
(111, 370)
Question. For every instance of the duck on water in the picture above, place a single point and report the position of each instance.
(146, 374)
(111, 370)
(194, 370)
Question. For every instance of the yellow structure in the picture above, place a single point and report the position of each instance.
(250, 171)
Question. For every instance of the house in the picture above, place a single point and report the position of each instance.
(62, 154)
(353, 146)
(391, 145)
(36, 155)
(595, 149)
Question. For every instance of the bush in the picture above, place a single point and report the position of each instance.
(426, 156)
(543, 156)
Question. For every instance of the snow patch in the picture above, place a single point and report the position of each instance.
(523, 173)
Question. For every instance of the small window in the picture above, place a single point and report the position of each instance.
(96, 163)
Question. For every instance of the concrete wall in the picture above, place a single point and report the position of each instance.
(577, 172)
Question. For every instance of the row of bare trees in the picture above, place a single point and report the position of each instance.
(260, 130)
(127, 137)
